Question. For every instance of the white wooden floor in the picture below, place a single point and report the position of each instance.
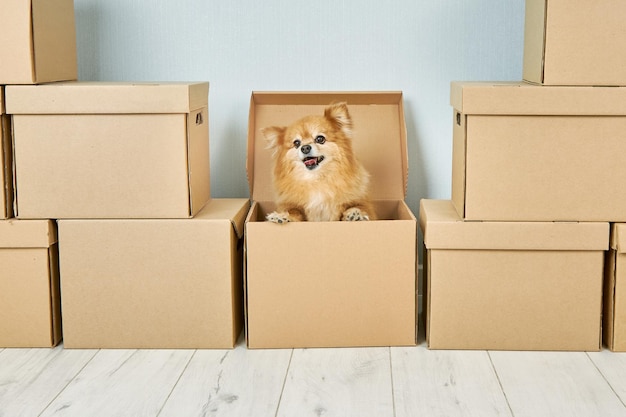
(361, 382)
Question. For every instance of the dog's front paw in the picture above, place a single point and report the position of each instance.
(280, 218)
(354, 214)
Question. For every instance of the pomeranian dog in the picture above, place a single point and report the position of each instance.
(317, 177)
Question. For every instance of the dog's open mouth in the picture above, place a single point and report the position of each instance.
(311, 162)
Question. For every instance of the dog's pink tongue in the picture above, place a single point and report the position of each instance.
(309, 162)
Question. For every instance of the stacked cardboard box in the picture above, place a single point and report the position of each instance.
(147, 259)
(37, 44)
(332, 284)
(516, 259)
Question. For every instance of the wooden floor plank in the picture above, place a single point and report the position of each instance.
(237, 382)
(445, 383)
(338, 382)
(122, 383)
(31, 378)
(613, 366)
(548, 384)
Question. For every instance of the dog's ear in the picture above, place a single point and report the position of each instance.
(338, 114)
(273, 136)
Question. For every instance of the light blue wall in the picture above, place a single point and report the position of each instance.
(417, 46)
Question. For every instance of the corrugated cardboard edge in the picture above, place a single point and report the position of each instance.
(56, 333)
(534, 41)
(251, 216)
(6, 162)
(618, 249)
(324, 98)
(77, 97)
(444, 229)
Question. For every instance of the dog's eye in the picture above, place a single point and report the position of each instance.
(320, 139)
(297, 143)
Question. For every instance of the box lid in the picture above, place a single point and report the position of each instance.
(444, 229)
(379, 136)
(520, 98)
(106, 98)
(27, 233)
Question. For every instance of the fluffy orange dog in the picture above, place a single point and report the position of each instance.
(316, 174)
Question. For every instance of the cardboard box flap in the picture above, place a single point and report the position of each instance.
(519, 98)
(27, 233)
(444, 229)
(106, 98)
(534, 35)
(379, 136)
(618, 237)
(226, 208)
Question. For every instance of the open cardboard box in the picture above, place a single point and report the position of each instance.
(332, 284)
(6, 164)
(511, 285)
(575, 44)
(110, 150)
(614, 319)
(30, 311)
(530, 153)
(38, 42)
(154, 283)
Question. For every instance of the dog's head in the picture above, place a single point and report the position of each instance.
(313, 141)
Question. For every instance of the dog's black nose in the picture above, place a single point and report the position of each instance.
(306, 149)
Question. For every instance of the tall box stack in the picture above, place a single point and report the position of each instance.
(517, 259)
(147, 259)
(37, 45)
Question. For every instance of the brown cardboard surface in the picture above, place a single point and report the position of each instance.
(6, 164)
(29, 284)
(110, 163)
(332, 284)
(531, 160)
(39, 41)
(511, 298)
(614, 319)
(170, 283)
(581, 45)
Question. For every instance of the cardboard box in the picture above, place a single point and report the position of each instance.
(323, 284)
(110, 150)
(38, 42)
(30, 312)
(167, 283)
(511, 285)
(614, 318)
(6, 164)
(532, 153)
(581, 44)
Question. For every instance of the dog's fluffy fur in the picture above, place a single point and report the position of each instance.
(317, 177)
